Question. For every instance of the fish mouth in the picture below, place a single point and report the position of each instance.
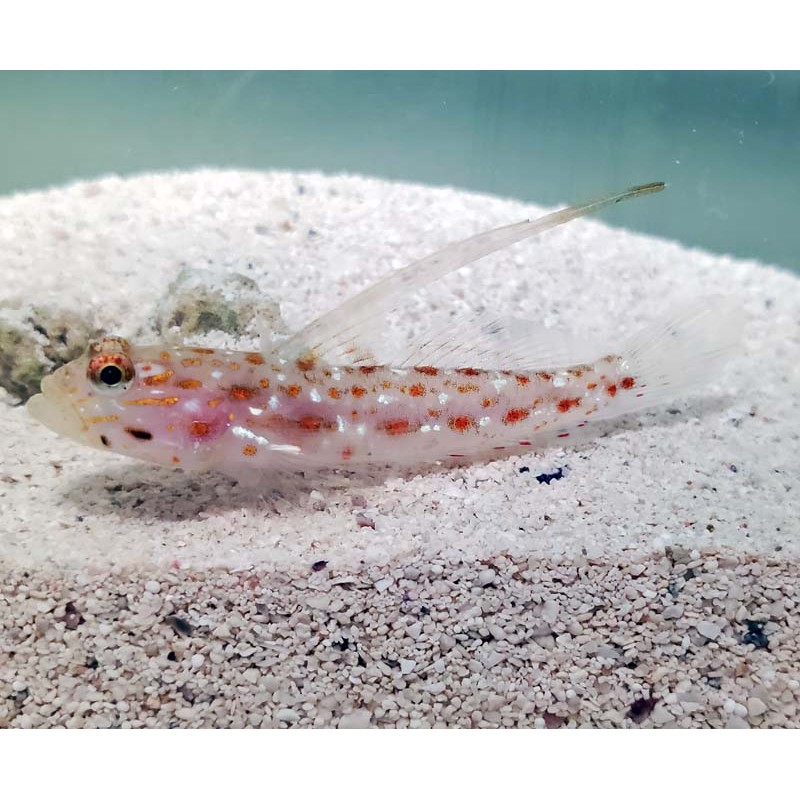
(54, 411)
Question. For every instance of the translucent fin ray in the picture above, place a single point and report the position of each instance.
(339, 330)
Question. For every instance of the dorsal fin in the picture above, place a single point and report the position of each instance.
(338, 336)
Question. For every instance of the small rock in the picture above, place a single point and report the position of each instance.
(252, 675)
(287, 715)
(414, 630)
(673, 612)
(154, 587)
(710, 630)
(383, 584)
(756, 707)
(198, 659)
(356, 719)
(550, 611)
(363, 521)
(486, 577)
(407, 665)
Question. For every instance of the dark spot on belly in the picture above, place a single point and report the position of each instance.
(137, 433)
(104, 440)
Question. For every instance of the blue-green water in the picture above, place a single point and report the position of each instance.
(728, 143)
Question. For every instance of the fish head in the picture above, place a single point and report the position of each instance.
(124, 399)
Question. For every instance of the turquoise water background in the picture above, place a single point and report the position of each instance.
(728, 143)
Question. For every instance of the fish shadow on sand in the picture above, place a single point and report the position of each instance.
(134, 489)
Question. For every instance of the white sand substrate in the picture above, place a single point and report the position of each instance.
(653, 584)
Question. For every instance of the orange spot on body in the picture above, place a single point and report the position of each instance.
(311, 423)
(544, 376)
(427, 370)
(347, 454)
(523, 380)
(191, 362)
(152, 401)
(254, 358)
(215, 362)
(155, 380)
(205, 350)
(109, 418)
(243, 392)
(466, 388)
(515, 415)
(627, 383)
(486, 402)
(146, 368)
(190, 383)
(416, 390)
(334, 393)
(468, 371)
(233, 365)
(170, 428)
(306, 363)
(612, 389)
(264, 383)
(249, 450)
(199, 429)
(293, 390)
(164, 356)
(214, 402)
(434, 412)
(396, 427)
(176, 460)
(367, 370)
(386, 385)
(567, 403)
(591, 385)
(462, 423)
(358, 391)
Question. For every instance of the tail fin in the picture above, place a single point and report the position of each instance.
(673, 358)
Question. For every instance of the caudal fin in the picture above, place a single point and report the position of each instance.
(674, 358)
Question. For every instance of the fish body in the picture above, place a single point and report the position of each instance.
(482, 388)
(204, 408)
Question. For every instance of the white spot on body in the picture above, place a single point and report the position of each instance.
(560, 380)
(216, 374)
(285, 448)
(246, 433)
(274, 402)
(443, 398)
(315, 396)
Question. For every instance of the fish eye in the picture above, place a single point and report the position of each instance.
(111, 372)
(111, 375)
